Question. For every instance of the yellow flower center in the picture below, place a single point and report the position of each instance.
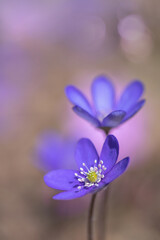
(92, 176)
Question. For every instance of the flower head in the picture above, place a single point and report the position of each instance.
(106, 113)
(53, 151)
(94, 172)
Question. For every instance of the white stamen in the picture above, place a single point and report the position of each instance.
(104, 168)
(85, 166)
(84, 178)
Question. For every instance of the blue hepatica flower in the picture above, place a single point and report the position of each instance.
(94, 172)
(106, 113)
(53, 151)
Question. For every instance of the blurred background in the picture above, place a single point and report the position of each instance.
(44, 46)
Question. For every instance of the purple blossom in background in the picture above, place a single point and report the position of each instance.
(94, 172)
(53, 151)
(106, 113)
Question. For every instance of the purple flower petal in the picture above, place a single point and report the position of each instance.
(110, 151)
(82, 113)
(77, 98)
(116, 171)
(85, 153)
(103, 94)
(134, 110)
(61, 179)
(72, 194)
(113, 119)
(131, 95)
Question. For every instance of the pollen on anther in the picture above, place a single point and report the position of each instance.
(79, 187)
(76, 174)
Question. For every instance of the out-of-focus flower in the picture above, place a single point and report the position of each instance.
(94, 172)
(53, 151)
(78, 128)
(103, 95)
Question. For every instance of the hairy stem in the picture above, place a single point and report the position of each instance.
(103, 214)
(90, 217)
(103, 208)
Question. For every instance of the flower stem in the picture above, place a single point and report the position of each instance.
(103, 208)
(102, 214)
(90, 217)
